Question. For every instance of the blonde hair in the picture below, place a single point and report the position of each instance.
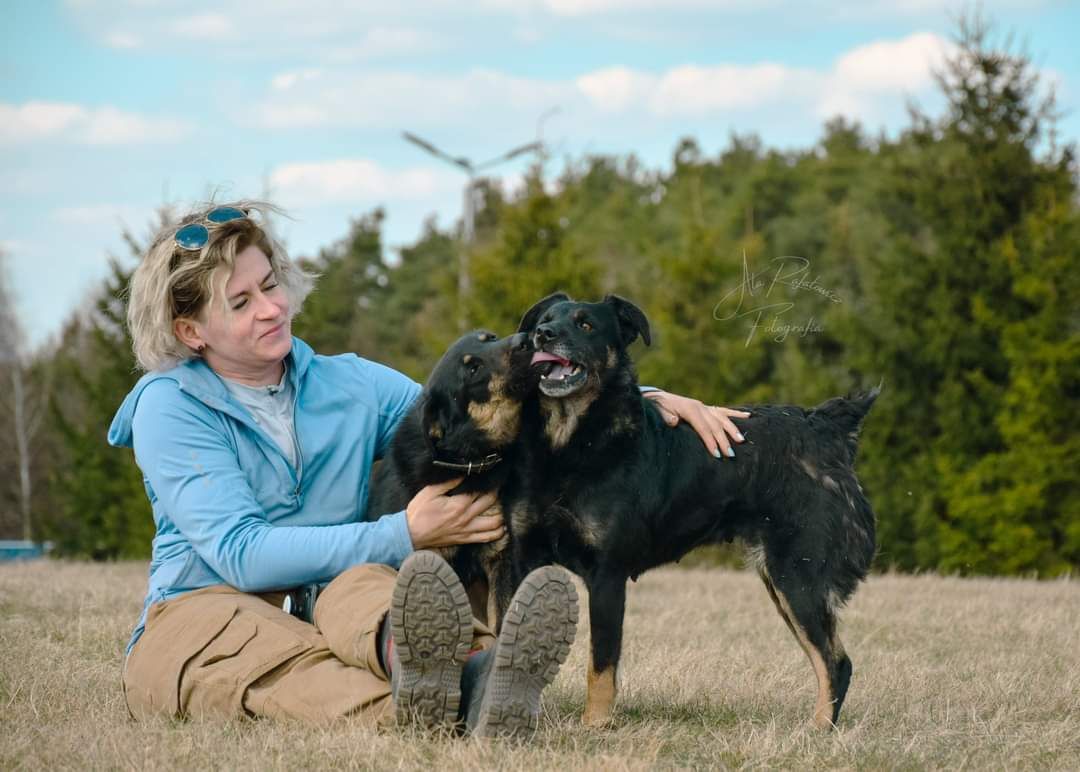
(173, 283)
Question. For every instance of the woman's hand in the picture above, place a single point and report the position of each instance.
(438, 520)
(713, 424)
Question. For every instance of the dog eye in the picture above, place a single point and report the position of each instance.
(585, 325)
(473, 367)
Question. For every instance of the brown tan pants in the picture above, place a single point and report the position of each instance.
(222, 652)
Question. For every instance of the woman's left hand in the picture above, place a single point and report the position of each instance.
(713, 424)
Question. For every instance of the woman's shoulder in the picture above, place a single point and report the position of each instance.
(351, 369)
(161, 397)
(367, 383)
(164, 390)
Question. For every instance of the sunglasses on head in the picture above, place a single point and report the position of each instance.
(194, 235)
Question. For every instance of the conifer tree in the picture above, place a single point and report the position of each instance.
(98, 503)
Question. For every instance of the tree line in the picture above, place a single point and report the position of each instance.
(942, 262)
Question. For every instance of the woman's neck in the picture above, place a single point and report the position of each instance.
(268, 376)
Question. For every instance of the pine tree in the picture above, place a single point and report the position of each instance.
(960, 188)
(337, 316)
(531, 256)
(99, 506)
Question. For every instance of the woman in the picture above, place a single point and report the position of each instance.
(256, 455)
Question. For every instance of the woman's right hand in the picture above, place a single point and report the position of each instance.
(436, 519)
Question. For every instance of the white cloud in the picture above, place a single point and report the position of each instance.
(109, 126)
(122, 40)
(335, 31)
(356, 180)
(205, 26)
(835, 8)
(395, 100)
(382, 42)
(589, 7)
(857, 84)
(322, 30)
(928, 9)
(869, 76)
(892, 64)
(615, 88)
(692, 90)
(286, 80)
(291, 116)
(35, 121)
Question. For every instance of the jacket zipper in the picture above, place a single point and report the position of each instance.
(296, 440)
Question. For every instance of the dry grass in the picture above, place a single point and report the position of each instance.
(949, 673)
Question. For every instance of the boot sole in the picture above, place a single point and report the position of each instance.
(432, 625)
(537, 632)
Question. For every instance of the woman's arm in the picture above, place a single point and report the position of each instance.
(395, 394)
(713, 424)
(194, 473)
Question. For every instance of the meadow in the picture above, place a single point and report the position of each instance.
(950, 673)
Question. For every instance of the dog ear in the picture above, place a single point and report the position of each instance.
(632, 320)
(532, 316)
(434, 418)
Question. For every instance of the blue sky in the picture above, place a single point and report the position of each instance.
(111, 108)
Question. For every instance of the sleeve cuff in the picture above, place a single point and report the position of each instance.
(644, 389)
(402, 538)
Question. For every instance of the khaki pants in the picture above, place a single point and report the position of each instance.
(218, 651)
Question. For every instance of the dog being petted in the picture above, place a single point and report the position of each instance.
(464, 424)
(605, 488)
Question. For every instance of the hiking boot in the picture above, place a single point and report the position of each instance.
(432, 628)
(536, 635)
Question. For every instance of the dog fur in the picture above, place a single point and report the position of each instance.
(470, 408)
(605, 488)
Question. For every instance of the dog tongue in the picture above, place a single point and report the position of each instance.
(543, 356)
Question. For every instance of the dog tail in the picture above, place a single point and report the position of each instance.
(846, 414)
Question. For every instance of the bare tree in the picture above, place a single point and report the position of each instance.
(23, 410)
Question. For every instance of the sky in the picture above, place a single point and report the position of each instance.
(110, 109)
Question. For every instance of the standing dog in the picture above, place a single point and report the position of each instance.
(608, 490)
(464, 424)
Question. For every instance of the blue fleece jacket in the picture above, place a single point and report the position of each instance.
(229, 507)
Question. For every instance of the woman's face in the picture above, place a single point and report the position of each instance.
(248, 337)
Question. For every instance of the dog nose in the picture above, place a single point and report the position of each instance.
(545, 333)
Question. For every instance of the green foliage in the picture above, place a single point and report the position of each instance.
(532, 256)
(411, 316)
(351, 273)
(954, 332)
(97, 505)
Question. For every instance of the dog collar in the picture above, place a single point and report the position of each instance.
(471, 467)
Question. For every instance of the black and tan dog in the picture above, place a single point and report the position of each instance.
(464, 424)
(608, 490)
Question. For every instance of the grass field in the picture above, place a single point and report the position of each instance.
(949, 673)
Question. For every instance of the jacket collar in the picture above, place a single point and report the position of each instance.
(195, 378)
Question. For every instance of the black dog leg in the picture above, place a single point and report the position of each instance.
(504, 582)
(803, 604)
(607, 604)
